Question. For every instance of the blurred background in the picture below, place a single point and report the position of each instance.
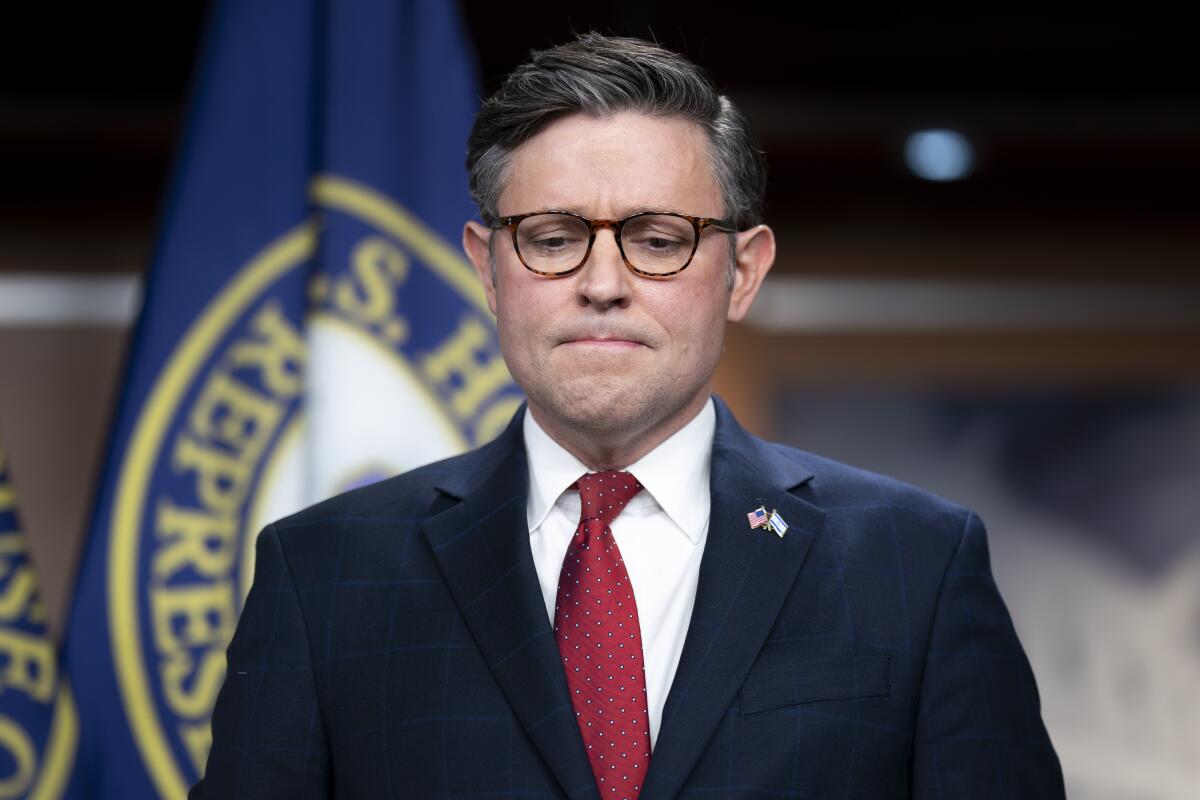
(988, 284)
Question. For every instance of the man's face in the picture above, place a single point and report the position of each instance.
(605, 352)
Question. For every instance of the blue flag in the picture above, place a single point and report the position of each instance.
(309, 325)
(37, 716)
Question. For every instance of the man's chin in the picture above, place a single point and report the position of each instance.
(600, 405)
(598, 362)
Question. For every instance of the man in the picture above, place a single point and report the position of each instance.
(626, 594)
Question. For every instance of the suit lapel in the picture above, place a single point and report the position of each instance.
(745, 575)
(482, 546)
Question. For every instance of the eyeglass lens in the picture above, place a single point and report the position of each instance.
(653, 243)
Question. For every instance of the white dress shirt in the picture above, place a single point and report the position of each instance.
(661, 536)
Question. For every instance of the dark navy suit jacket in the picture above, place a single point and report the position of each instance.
(395, 644)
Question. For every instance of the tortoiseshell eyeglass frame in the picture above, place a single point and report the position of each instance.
(698, 225)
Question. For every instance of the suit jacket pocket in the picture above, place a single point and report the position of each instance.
(841, 678)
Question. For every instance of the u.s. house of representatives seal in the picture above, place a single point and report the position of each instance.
(39, 728)
(303, 377)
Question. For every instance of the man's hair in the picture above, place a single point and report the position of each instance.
(601, 76)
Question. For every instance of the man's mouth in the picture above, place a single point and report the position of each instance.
(603, 340)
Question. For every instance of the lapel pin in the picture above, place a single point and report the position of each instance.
(777, 524)
(758, 518)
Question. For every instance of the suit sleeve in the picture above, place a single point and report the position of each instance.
(979, 729)
(268, 740)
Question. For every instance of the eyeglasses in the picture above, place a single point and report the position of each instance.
(655, 244)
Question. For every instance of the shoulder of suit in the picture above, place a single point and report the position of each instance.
(407, 497)
(838, 484)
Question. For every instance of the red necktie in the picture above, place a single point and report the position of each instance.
(596, 625)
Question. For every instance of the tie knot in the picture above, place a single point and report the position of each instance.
(604, 494)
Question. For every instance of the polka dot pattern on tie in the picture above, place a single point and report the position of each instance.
(600, 641)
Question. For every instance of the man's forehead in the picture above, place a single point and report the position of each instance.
(626, 162)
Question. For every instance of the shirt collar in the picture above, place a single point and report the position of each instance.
(675, 474)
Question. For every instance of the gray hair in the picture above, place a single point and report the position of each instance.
(603, 75)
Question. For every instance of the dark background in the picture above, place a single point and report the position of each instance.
(1085, 121)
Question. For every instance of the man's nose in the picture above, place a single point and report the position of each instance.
(604, 279)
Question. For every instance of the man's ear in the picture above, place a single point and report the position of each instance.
(755, 253)
(475, 244)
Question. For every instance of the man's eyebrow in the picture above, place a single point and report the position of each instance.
(631, 210)
(622, 213)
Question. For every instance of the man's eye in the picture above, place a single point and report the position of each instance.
(553, 242)
(658, 244)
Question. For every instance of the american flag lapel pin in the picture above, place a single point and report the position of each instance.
(759, 518)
